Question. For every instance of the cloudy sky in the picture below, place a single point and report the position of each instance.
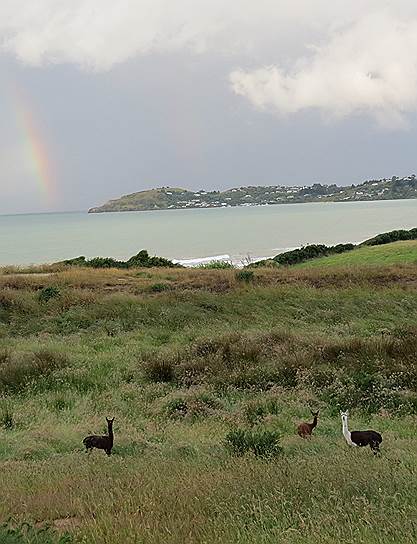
(102, 98)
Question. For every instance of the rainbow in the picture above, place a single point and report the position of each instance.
(35, 144)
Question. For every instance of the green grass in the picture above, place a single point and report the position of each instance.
(388, 254)
(182, 370)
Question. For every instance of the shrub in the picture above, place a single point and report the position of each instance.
(392, 236)
(105, 262)
(20, 370)
(261, 443)
(217, 265)
(4, 356)
(47, 293)
(27, 534)
(143, 260)
(310, 252)
(177, 407)
(159, 287)
(140, 260)
(256, 410)
(245, 275)
(161, 369)
(6, 417)
(191, 404)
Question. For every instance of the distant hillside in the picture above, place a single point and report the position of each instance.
(165, 198)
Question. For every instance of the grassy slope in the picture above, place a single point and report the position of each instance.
(388, 254)
(170, 478)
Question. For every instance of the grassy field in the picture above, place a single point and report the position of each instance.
(185, 358)
(388, 254)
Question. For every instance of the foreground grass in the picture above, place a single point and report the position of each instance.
(180, 366)
(389, 254)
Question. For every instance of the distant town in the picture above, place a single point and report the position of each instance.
(165, 198)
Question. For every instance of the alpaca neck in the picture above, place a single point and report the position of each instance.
(314, 424)
(110, 431)
(346, 433)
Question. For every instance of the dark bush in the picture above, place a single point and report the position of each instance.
(6, 418)
(141, 260)
(105, 262)
(392, 236)
(245, 276)
(256, 410)
(261, 443)
(311, 252)
(27, 534)
(217, 265)
(160, 370)
(47, 293)
(159, 287)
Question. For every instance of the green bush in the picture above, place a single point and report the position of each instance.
(245, 275)
(392, 236)
(159, 287)
(140, 260)
(159, 370)
(261, 443)
(6, 417)
(27, 534)
(311, 252)
(47, 293)
(217, 265)
(22, 369)
(256, 410)
(191, 404)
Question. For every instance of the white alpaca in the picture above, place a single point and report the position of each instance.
(360, 438)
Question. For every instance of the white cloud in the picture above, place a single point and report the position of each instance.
(369, 67)
(101, 33)
(364, 60)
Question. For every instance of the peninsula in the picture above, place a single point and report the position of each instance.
(165, 198)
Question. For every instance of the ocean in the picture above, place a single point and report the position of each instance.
(198, 235)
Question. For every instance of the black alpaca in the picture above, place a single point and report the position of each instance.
(360, 438)
(101, 442)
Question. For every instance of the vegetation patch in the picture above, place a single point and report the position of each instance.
(21, 369)
(47, 293)
(315, 251)
(140, 260)
(26, 533)
(246, 276)
(262, 443)
(217, 265)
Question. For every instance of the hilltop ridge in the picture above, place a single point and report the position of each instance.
(165, 198)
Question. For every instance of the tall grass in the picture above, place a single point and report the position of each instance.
(214, 360)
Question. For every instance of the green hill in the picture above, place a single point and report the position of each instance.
(404, 252)
(164, 198)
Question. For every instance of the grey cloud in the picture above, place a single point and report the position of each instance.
(369, 67)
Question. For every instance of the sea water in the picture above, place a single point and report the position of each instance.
(197, 235)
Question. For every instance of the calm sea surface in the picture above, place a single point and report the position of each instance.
(195, 234)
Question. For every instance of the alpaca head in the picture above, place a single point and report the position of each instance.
(344, 416)
(315, 414)
(109, 422)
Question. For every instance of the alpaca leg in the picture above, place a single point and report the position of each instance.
(375, 448)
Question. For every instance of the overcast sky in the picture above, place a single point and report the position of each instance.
(102, 98)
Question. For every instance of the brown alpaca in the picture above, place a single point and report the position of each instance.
(305, 429)
(104, 442)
